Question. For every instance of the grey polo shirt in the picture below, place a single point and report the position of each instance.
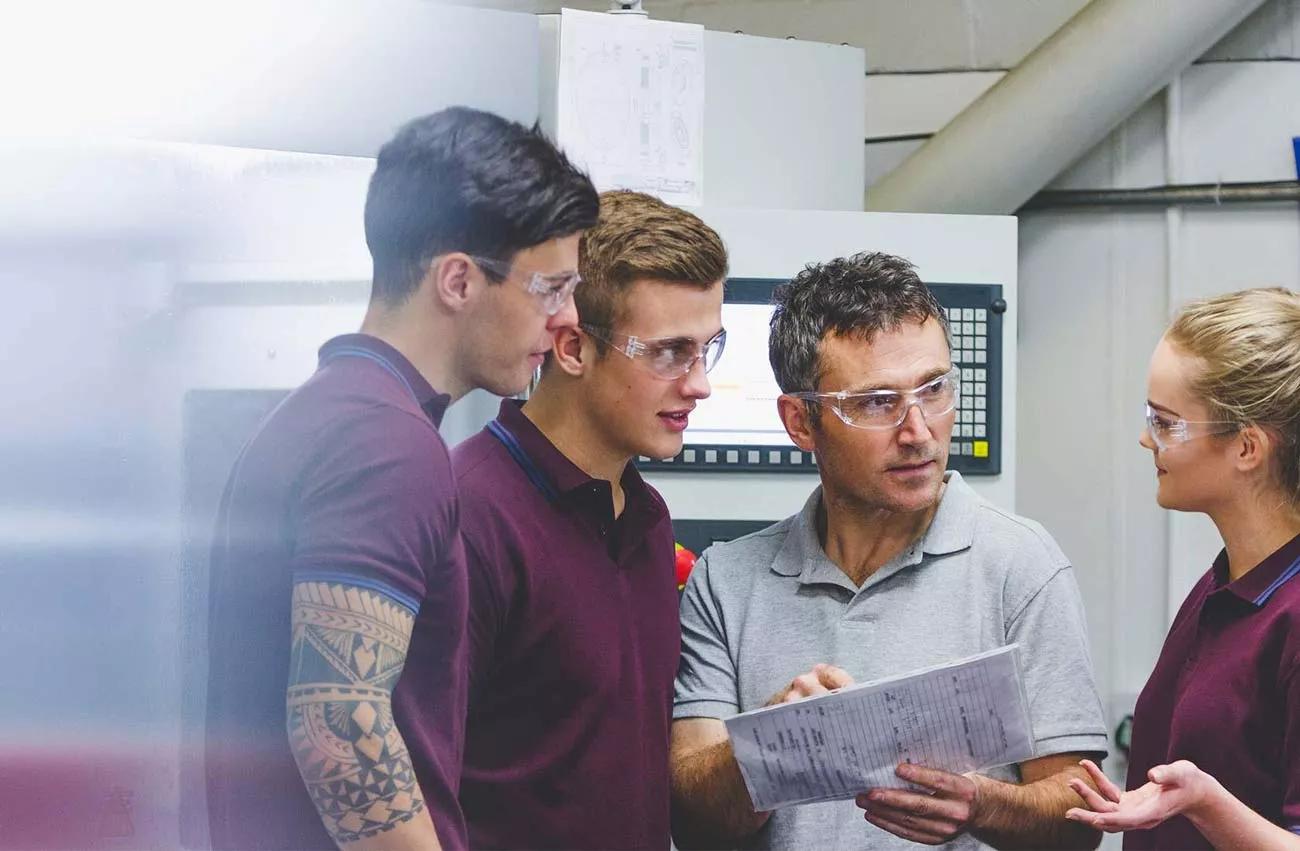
(762, 609)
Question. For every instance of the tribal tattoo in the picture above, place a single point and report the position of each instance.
(349, 645)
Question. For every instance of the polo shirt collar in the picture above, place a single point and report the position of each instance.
(550, 470)
(1260, 584)
(951, 530)
(368, 347)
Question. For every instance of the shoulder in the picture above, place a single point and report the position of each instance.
(380, 447)
(737, 566)
(479, 461)
(1014, 553)
(1022, 544)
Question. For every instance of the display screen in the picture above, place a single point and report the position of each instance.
(742, 409)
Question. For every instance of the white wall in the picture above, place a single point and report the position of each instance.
(1097, 288)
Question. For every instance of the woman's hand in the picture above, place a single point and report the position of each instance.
(1174, 789)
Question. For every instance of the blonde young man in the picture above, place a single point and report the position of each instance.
(574, 635)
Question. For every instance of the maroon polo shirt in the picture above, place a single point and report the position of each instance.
(574, 639)
(346, 481)
(1225, 694)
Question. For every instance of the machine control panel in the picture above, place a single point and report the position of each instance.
(738, 430)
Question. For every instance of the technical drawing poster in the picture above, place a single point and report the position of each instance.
(631, 103)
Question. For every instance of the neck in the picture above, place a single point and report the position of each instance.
(861, 539)
(551, 408)
(429, 346)
(1255, 529)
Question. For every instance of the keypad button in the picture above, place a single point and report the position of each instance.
(710, 456)
(733, 456)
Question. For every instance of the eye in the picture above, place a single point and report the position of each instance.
(934, 388)
(872, 403)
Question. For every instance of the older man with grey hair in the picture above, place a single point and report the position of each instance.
(893, 564)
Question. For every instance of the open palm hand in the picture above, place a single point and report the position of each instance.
(1173, 789)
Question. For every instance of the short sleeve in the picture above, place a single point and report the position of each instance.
(492, 567)
(1291, 749)
(706, 675)
(377, 507)
(1064, 706)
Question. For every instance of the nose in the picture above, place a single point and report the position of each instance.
(695, 383)
(914, 430)
(1144, 439)
(565, 317)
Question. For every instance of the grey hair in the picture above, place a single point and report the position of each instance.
(857, 296)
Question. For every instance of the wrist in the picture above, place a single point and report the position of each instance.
(1206, 800)
(985, 800)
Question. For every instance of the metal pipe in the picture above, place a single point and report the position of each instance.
(1164, 196)
(1055, 105)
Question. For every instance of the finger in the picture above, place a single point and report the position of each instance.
(808, 685)
(1091, 797)
(936, 779)
(1100, 821)
(915, 832)
(897, 803)
(832, 677)
(1107, 788)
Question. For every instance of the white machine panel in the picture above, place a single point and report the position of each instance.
(769, 244)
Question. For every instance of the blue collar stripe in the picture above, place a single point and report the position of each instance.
(1287, 574)
(511, 443)
(353, 352)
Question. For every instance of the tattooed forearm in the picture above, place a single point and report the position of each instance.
(349, 645)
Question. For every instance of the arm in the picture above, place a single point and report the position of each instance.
(1179, 788)
(1004, 815)
(349, 647)
(1031, 815)
(711, 805)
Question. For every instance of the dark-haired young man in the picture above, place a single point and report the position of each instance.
(574, 635)
(894, 564)
(337, 679)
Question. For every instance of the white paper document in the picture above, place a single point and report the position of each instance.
(962, 716)
(631, 103)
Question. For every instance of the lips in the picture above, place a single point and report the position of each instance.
(676, 420)
(913, 467)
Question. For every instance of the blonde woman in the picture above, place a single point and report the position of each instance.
(1215, 761)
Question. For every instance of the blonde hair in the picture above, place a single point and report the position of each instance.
(640, 237)
(1248, 345)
